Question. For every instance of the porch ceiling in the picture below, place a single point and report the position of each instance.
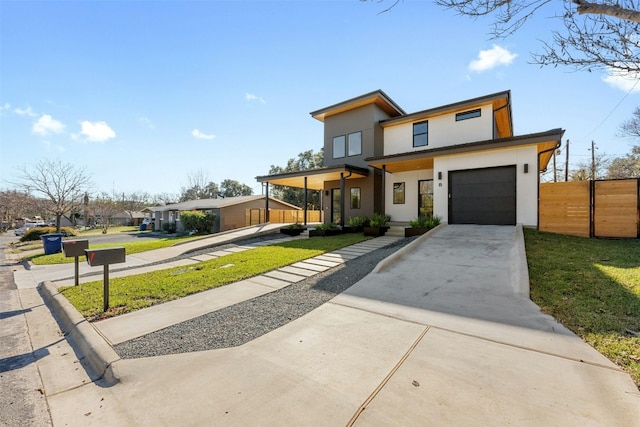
(404, 165)
(315, 177)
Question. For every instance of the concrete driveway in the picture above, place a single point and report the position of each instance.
(440, 334)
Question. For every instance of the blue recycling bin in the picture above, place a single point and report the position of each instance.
(52, 243)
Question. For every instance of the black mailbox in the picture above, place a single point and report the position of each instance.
(74, 248)
(105, 256)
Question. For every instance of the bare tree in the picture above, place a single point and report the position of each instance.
(62, 185)
(199, 187)
(104, 209)
(631, 127)
(599, 34)
(133, 202)
(589, 170)
(15, 205)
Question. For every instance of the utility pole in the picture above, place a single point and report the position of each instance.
(555, 176)
(593, 161)
(566, 166)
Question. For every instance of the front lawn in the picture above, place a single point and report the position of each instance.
(143, 290)
(591, 286)
(130, 248)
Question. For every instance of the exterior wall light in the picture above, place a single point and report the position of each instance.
(526, 168)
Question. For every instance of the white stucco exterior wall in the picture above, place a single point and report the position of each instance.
(409, 210)
(526, 183)
(443, 131)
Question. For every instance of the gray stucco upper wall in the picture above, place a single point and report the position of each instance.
(362, 119)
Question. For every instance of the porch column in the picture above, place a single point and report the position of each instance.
(384, 185)
(266, 204)
(342, 199)
(305, 200)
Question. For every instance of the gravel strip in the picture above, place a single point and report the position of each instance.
(240, 323)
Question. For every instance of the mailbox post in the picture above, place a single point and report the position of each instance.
(75, 248)
(105, 257)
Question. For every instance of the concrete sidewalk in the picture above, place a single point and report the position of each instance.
(441, 333)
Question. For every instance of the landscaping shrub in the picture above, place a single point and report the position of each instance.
(425, 221)
(198, 221)
(327, 226)
(169, 227)
(35, 233)
(379, 220)
(358, 221)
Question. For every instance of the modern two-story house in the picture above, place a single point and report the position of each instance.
(461, 162)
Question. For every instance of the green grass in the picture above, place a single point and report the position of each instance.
(132, 293)
(130, 248)
(591, 286)
(97, 231)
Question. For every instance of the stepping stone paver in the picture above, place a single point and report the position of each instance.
(288, 277)
(308, 266)
(299, 271)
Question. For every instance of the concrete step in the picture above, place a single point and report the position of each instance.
(395, 230)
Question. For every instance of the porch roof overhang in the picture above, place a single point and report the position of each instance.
(546, 142)
(315, 177)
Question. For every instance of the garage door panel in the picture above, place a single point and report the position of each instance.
(483, 196)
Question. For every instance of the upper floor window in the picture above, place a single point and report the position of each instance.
(338, 146)
(421, 134)
(471, 114)
(354, 144)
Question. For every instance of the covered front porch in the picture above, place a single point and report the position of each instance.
(332, 183)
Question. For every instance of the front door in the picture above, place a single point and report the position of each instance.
(336, 213)
(425, 197)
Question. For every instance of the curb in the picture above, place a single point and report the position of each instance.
(93, 350)
(519, 265)
(393, 258)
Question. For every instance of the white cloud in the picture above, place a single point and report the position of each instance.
(4, 107)
(200, 135)
(96, 131)
(627, 82)
(24, 112)
(491, 58)
(251, 98)
(47, 125)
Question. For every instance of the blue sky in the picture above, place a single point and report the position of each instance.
(144, 93)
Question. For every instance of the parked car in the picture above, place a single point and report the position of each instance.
(27, 226)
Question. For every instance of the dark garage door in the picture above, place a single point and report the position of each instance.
(483, 196)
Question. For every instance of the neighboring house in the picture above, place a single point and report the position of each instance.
(120, 218)
(461, 162)
(230, 212)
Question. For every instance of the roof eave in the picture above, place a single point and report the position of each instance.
(377, 97)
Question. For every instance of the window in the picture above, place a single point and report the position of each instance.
(421, 134)
(354, 144)
(355, 198)
(471, 114)
(338, 146)
(398, 193)
(425, 197)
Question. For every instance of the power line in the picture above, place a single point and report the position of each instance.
(614, 109)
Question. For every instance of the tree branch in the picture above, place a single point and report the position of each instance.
(614, 10)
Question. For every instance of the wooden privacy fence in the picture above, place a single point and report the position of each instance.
(608, 208)
(280, 216)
